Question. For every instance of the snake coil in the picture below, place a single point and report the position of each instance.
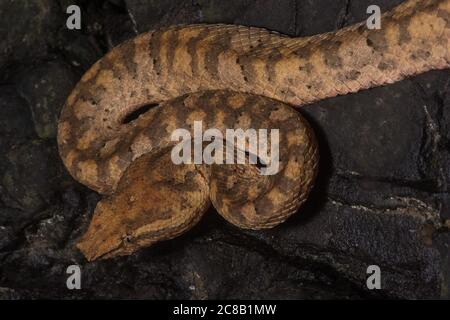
(114, 130)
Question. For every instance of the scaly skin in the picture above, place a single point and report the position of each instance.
(239, 64)
(156, 199)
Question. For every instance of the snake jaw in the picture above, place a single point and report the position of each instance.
(103, 239)
(98, 250)
(144, 207)
(107, 242)
(102, 246)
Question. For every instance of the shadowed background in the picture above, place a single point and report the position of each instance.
(382, 196)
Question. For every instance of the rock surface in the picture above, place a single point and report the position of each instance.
(382, 196)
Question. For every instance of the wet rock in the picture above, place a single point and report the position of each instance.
(27, 179)
(119, 25)
(353, 237)
(378, 194)
(8, 294)
(26, 29)
(234, 275)
(46, 88)
(434, 92)
(8, 215)
(104, 25)
(281, 19)
(7, 237)
(313, 17)
(376, 133)
(148, 15)
(80, 50)
(72, 198)
(15, 116)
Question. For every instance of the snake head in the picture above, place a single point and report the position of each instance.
(108, 234)
(155, 200)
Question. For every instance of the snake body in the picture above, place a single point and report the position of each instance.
(229, 77)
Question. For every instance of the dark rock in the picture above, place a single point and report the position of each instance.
(393, 239)
(72, 197)
(31, 34)
(434, 92)
(105, 24)
(28, 180)
(119, 25)
(8, 294)
(148, 15)
(46, 88)
(80, 50)
(234, 275)
(376, 133)
(15, 116)
(7, 237)
(282, 18)
(8, 215)
(313, 17)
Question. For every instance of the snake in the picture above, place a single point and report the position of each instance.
(114, 131)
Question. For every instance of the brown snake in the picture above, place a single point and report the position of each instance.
(228, 77)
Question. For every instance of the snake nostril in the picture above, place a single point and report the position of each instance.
(133, 115)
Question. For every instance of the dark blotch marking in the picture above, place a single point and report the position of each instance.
(274, 57)
(304, 52)
(353, 75)
(308, 67)
(362, 29)
(127, 53)
(376, 40)
(264, 207)
(422, 54)
(212, 55)
(247, 69)
(444, 15)
(383, 66)
(405, 36)
(171, 48)
(107, 64)
(154, 48)
(331, 53)
(192, 49)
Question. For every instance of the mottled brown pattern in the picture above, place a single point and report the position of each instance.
(229, 77)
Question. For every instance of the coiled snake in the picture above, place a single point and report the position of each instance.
(229, 77)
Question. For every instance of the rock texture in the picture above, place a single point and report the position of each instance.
(382, 196)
